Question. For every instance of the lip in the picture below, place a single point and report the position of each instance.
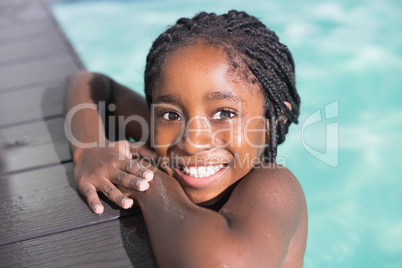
(200, 162)
(201, 182)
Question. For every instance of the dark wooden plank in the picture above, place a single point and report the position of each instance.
(33, 145)
(26, 73)
(32, 22)
(17, 11)
(15, 2)
(32, 103)
(47, 46)
(25, 31)
(119, 243)
(46, 6)
(45, 201)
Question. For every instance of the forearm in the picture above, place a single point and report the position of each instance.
(100, 166)
(94, 98)
(84, 124)
(181, 232)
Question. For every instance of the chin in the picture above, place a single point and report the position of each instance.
(200, 198)
(204, 198)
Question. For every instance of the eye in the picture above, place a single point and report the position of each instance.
(170, 116)
(223, 115)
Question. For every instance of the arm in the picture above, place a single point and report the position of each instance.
(88, 88)
(103, 164)
(253, 229)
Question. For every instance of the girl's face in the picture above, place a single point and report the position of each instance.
(208, 122)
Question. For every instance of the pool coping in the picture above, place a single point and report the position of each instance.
(47, 6)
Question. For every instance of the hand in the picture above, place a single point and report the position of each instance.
(100, 169)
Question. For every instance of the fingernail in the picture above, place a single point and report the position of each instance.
(98, 209)
(148, 175)
(142, 185)
(127, 202)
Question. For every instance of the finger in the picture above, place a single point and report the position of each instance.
(133, 167)
(147, 153)
(115, 195)
(124, 148)
(142, 151)
(129, 181)
(93, 199)
(127, 192)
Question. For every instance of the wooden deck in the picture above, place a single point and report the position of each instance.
(44, 222)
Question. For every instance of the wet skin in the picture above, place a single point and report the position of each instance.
(203, 113)
(262, 222)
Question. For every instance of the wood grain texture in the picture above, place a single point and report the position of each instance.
(23, 31)
(20, 11)
(119, 243)
(44, 222)
(45, 201)
(46, 6)
(33, 103)
(47, 46)
(31, 145)
(39, 70)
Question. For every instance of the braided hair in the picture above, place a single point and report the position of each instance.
(246, 40)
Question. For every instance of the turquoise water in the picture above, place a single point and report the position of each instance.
(349, 72)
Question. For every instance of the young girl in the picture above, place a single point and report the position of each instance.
(220, 96)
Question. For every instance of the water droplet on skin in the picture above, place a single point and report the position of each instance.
(224, 210)
(206, 70)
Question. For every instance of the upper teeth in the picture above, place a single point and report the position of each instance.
(201, 171)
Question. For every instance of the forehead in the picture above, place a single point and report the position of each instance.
(201, 69)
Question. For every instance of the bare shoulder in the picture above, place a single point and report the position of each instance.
(270, 201)
(274, 184)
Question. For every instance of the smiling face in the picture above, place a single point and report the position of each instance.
(208, 122)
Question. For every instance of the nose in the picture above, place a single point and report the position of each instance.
(197, 136)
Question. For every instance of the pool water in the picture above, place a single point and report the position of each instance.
(346, 150)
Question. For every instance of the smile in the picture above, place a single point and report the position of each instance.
(201, 171)
(201, 176)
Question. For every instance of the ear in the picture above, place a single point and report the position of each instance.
(289, 107)
(267, 136)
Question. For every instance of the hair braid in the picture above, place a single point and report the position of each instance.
(251, 43)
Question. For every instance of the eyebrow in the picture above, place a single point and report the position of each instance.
(169, 98)
(222, 95)
(216, 95)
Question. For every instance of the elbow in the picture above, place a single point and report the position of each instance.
(219, 258)
(221, 250)
(215, 257)
(200, 259)
(204, 250)
(201, 244)
(80, 76)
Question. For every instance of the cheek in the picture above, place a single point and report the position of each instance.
(253, 135)
(223, 134)
(243, 137)
(247, 133)
(164, 136)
